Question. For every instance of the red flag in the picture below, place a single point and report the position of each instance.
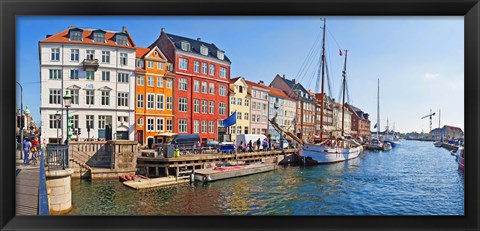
(340, 51)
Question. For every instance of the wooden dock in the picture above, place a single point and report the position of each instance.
(26, 184)
(220, 173)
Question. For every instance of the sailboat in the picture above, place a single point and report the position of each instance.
(440, 140)
(390, 137)
(375, 143)
(337, 149)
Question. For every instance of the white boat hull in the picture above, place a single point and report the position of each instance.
(325, 155)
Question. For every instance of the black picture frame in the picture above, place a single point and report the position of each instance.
(10, 9)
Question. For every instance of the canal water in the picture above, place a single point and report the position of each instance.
(414, 178)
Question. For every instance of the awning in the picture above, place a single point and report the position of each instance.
(168, 134)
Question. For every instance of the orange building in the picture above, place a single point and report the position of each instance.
(153, 95)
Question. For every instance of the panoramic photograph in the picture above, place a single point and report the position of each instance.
(239, 115)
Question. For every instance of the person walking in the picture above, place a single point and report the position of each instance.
(258, 144)
(250, 146)
(26, 151)
(265, 144)
(34, 148)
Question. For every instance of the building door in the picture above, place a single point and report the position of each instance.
(150, 142)
(140, 137)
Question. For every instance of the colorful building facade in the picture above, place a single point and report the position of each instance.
(284, 108)
(153, 95)
(240, 103)
(259, 93)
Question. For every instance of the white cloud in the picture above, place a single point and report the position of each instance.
(430, 76)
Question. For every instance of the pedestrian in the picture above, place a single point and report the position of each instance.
(250, 146)
(258, 144)
(34, 148)
(265, 144)
(26, 150)
(240, 147)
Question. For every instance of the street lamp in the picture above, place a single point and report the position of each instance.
(67, 99)
(58, 116)
(21, 114)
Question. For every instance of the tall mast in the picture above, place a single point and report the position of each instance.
(323, 76)
(378, 108)
(344, 74)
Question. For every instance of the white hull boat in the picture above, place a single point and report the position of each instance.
(320, 154)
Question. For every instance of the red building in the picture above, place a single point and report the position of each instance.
(202, 75)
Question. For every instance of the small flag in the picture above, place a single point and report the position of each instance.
(375, 126)
(231, 120)
(340, 52)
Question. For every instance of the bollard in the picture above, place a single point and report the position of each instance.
(192, 176)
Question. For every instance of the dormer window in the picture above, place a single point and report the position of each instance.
(99, 37)
(121, 39)
(203, 50)
(185, 46)
(139, 63)
(169, 66)
(220, 55)
(76, 35)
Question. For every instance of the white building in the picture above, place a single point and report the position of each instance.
(98, 68)
(337, 121)
(284, 108)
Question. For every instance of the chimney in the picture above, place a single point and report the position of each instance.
(163, 31)
(199, 39)
(261, 82)
(283, 76)
(294, 81)
(124, 28)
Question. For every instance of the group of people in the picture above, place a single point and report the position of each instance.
(30, 146)
(249, 147)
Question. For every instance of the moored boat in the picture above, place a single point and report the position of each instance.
(461, 157)
(387, 146)
(375, 144)
(331, 151)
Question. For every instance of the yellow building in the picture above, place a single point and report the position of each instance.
(239, 102)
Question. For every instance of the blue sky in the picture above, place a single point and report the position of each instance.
(419, 60)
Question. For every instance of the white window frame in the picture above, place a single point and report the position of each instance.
(223, 72)
(123, 59)
(74, 55)
(106, 76)
(204, 107)
(182, 126)
(204, 87)
(183, 104)
(211, 128)
(55, 54)
(204, 126)
(150, 102)
(162, 123)
(150, 81)
(140, 80)
(122, 99)
(169, 83)
(90, 98)
(212, 107)
(196, 106)
(105, 98)
(160, 82)
(160, 102)
(169, 103)
(105, 56)
(196, 126)
(211, 69)
(211, 88)
(204, 68)
(183, 64)
(150, 127)
(183, 84)
(140, 101)
(196, 86)
(196, 66)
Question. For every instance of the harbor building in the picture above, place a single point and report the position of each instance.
(305, 112)
(202, 78)
(327, 116)
(360, 123)
(337, 121)
(240, 103)
(153, 95)
(447, 132)
(284, 108)
(259, 109)
(97, 67)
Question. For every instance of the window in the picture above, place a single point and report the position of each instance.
(182, 125)
(203, 50)
(140, 100)
(204, 87)
(140, 122)
(55, 54)
(196, 126)
(75, 121)
(169, 103)
(75, 96)
(222, 108)
(212, 127)
(55, 74)
(160, 82)
(196, 86)
(223, 74)
(212, 107)
(139, 63)
(232, 101)
(121, 119)
(196, 66)
(76, 35)
(150, 125)
(149, 64)
(204, 126)
(239, 115)
(233, 129)
(74, 74)
(182, 104)
(221, 56)
(183, 84)
(54, 123)
(204, 68)
(196, 105)
(122, 78)
(105, 97)
(245, 116)
(90, 97)
(247, 102)
(123, 58)
(212, 88)
(74, 55)
(99, 37)
(253, 131)
(169, 66)
(55, 96)
(254, 105)
(169, 125)
(239, 101)
(122, 99)
(90, 55)
(140, 80)
(240, 89)
(160, 66)
(150, 81)
(220, 123)
(105, 56)
(106, 76)
(89, 121)
(183, 64)
(246, 130)
(104, 120)
(223, 90)
(150, 101)
(185, 46)
(160, 102)
(160, 125)
(121, 39)
(90, 75)
(204, 107)
(169, 83)
(212, 69)
(239, 130)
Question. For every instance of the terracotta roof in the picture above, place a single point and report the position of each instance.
(62, 37)
(250, 83)
(141, 52)
(278, 93)
(234, 79)
(453, 128)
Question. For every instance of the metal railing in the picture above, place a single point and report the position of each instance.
(56, 156)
